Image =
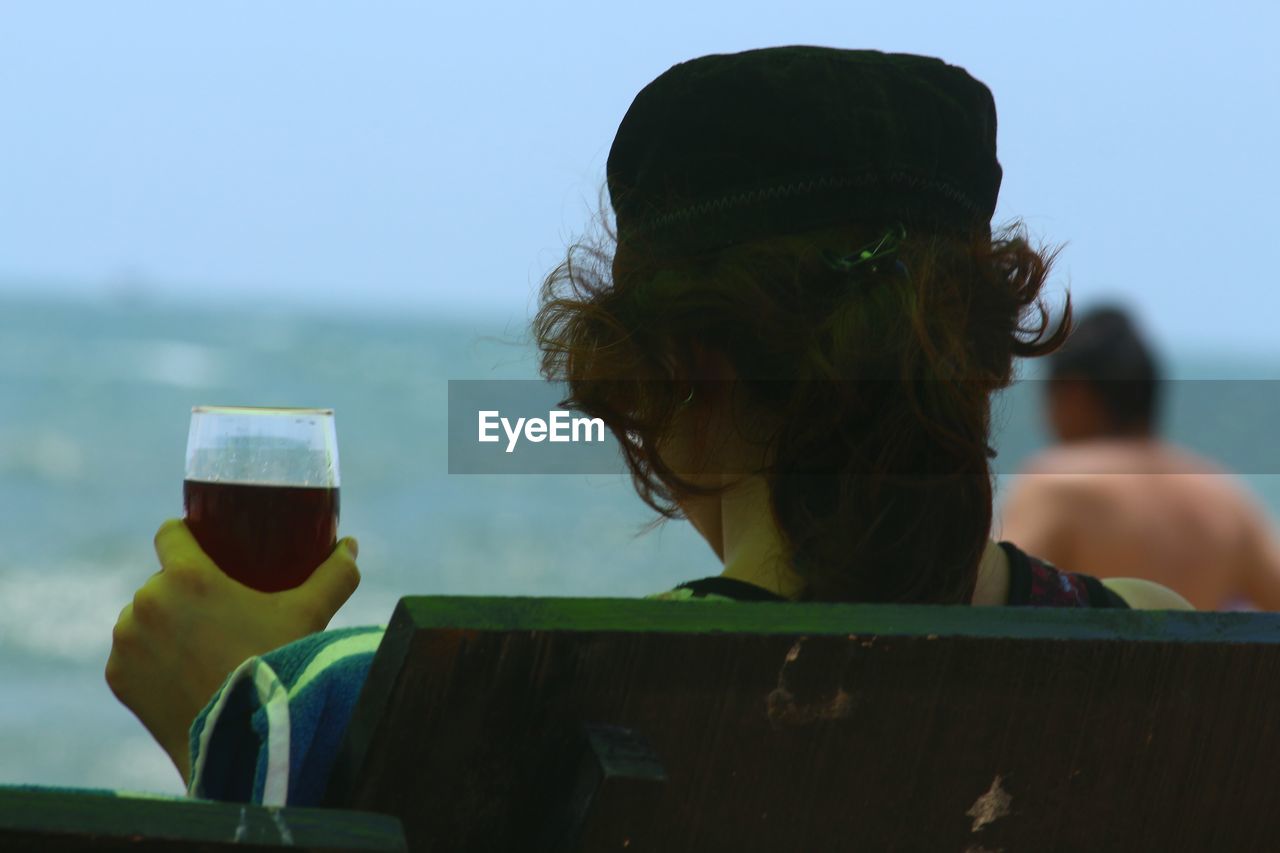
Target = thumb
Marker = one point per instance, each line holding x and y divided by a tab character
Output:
334	580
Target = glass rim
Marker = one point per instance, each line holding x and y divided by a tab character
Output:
259	410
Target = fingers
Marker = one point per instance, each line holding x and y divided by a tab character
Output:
180	553
121	636
332	583
176	546
143	673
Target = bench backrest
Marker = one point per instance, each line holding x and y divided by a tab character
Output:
493	724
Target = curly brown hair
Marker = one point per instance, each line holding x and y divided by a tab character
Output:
877	386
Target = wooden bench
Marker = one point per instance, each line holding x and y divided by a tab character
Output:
492	724
623	725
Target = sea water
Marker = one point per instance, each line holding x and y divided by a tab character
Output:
95	398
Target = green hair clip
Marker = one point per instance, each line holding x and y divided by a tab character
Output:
874	257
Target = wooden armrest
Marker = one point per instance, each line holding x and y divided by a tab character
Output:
56	820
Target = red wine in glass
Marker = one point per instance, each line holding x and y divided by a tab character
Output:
262	491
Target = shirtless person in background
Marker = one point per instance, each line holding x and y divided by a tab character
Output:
1114	499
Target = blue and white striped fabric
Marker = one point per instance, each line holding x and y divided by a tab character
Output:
271	733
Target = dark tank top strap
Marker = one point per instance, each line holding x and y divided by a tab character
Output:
1019	575
1100	595
1032	583
1035	583
729	588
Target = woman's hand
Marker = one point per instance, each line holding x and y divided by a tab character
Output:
190	625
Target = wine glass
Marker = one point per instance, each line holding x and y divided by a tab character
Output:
261	491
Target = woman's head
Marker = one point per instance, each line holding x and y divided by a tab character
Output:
810	230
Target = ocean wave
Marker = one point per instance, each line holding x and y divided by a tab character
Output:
181	364
81	361
62	613
41	453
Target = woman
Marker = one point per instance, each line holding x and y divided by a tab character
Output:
804	306
795	337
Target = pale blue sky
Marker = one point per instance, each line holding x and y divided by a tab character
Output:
435	157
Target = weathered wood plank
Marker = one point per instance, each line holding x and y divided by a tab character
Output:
613	784
829	727
55	820
629	614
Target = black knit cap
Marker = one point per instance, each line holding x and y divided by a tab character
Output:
730	148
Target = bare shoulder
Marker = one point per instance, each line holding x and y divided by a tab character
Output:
1087	472
1052	486
1063	459
1058	472
1146	595
1121	456
1062	477
1045	507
